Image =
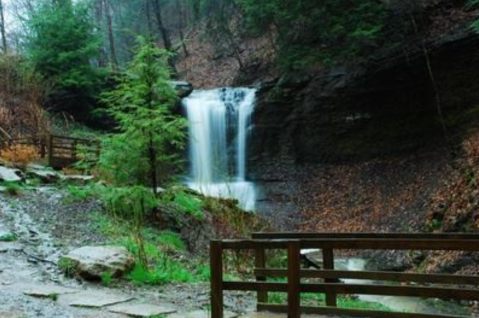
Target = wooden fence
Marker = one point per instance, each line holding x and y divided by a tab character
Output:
62	151
443	286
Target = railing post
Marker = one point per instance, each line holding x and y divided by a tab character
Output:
42	147
50	150
216	263
74	150
260	262
97	149
328	263
294	280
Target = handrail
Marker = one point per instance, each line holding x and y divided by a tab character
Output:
309	235
61	151
432	285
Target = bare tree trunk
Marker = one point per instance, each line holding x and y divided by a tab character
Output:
161	26
2	29
437	95
180	26
196	10
111	37
164	33
102	58
148	19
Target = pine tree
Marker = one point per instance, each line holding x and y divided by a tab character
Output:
62	46
145	150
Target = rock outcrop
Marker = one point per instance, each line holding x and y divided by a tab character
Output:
10	175
184	89
91	262
385	107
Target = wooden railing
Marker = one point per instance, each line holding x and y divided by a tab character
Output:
62	151
443	286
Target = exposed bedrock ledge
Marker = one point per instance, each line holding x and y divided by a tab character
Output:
385	107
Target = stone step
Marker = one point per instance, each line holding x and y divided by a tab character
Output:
141	310
271	315
201	314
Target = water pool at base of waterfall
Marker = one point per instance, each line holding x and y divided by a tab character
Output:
244	192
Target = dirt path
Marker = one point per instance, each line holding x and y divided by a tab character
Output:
48	228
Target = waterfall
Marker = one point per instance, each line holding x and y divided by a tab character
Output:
219	123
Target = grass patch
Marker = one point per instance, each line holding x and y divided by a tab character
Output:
9	237
77	194
160	248
170	271
172	241
353	303
106	278
12	188
314	299
67	266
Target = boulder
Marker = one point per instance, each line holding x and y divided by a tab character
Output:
91	262
78	179
10	175
45	174
184	89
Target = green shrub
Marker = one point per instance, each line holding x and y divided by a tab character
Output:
146	149
171	241
9	237
13	188
106	278
67	266
76	194
132	204
190	204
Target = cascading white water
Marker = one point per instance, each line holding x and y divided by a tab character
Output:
220	120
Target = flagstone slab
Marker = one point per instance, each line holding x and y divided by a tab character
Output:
10	175
11	314
10	246
141	310
201	314
271	315
94	299
48	291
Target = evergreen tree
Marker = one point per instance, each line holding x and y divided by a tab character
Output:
145	150
62	46
309	30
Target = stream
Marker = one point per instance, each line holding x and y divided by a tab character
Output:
401	304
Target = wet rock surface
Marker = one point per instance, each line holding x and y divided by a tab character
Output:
92	262
10	175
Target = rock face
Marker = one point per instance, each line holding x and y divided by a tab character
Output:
382	108
91	262
184	89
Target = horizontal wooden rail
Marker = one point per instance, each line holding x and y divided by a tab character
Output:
306	235
380	290
61	150
442	286
440	244
372	275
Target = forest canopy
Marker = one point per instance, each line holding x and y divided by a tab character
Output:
78	46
